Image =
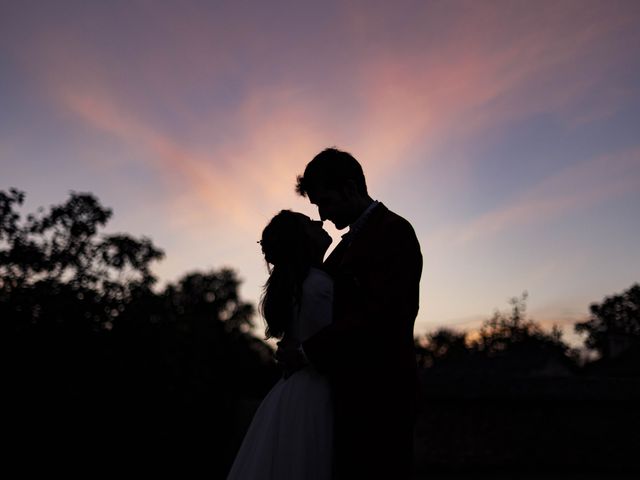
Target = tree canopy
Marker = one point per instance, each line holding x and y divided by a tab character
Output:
617	317
505	343
96	350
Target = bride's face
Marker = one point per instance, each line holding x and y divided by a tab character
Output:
319	237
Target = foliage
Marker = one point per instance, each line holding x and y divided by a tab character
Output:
59	259
213	294
441	346
617	316
506	342
88	337
503	332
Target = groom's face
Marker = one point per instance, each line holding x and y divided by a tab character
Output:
333	205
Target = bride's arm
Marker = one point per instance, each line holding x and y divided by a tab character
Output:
290	356
315	313
316	310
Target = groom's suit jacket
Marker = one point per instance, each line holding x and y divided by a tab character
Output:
368	350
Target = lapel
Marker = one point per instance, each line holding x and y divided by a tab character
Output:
345	254
334	260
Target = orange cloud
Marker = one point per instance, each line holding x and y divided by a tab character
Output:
201	175
489	66
404	99
493	66
228	105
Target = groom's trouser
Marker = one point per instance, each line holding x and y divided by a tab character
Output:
373	434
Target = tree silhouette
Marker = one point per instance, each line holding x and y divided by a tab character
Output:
505	343
56	267
501	331
98	354
517	343
440	347
210	295
616	320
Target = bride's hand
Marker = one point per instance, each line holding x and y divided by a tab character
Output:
290	356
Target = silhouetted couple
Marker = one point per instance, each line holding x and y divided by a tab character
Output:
345	407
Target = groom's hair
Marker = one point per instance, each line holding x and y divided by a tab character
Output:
331	168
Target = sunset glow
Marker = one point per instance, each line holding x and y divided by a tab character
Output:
506	132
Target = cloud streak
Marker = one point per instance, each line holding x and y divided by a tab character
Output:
226	103
577	187
491	64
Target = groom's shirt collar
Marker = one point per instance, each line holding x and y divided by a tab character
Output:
356	226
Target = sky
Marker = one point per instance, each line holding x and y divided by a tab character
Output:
506	132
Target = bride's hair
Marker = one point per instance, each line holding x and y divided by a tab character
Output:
287	249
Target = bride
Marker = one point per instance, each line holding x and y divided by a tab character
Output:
291	434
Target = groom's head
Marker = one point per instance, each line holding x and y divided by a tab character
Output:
335	183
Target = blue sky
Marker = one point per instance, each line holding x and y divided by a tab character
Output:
505	131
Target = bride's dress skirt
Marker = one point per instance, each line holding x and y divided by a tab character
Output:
290	436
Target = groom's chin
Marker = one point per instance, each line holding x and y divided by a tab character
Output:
340	225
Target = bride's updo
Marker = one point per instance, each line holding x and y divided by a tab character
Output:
287	249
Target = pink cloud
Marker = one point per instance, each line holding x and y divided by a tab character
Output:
178	162
488	65
241	182
228	105
493	66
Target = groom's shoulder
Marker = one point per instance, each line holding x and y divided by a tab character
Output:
389	219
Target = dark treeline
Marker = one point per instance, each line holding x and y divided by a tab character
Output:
101	366
507	343
104	367
513	344
515	397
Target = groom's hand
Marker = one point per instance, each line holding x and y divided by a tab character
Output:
290	357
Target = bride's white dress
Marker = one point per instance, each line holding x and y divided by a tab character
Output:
291	434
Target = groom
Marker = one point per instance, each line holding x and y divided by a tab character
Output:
368	351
